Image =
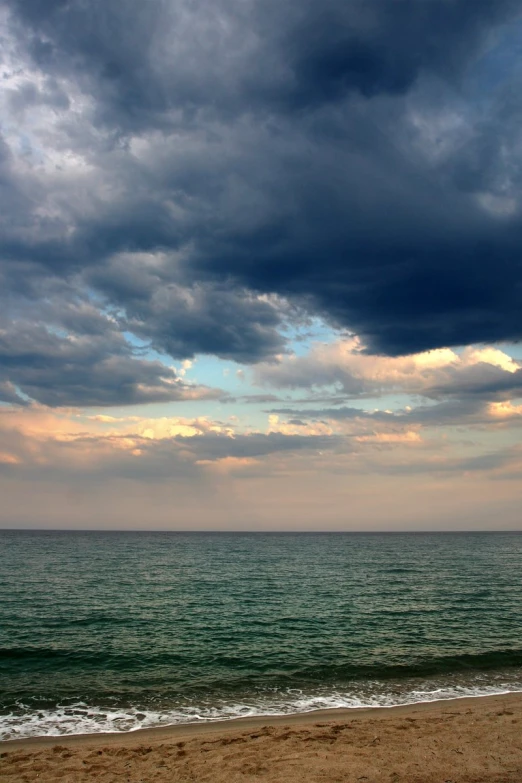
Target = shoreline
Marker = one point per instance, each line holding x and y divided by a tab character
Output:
464	740
195	729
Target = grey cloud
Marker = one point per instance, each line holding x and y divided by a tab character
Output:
28	95
182	321
90	369
449	412
488	463
215	446
471	411
481	380
309	371
337	414
10	395
255	399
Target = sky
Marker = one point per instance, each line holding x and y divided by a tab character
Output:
260	264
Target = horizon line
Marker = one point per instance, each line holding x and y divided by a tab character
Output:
250	532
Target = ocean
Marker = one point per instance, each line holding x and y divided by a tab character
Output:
114	631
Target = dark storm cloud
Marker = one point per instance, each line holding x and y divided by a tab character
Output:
141	60
382	46
269	149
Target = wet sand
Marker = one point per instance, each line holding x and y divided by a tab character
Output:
458	741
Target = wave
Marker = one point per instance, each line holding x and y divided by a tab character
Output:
366	667
436	665
82	718
38	717
168	692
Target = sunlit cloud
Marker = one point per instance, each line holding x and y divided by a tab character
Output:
408	437
504	410
345	365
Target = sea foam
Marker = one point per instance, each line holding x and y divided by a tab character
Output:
81	718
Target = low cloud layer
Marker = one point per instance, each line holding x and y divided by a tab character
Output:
37	441
103	471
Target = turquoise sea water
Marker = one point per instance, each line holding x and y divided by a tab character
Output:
114	631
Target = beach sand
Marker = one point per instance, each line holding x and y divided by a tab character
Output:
459	741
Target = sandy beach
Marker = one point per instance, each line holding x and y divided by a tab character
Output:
459	741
